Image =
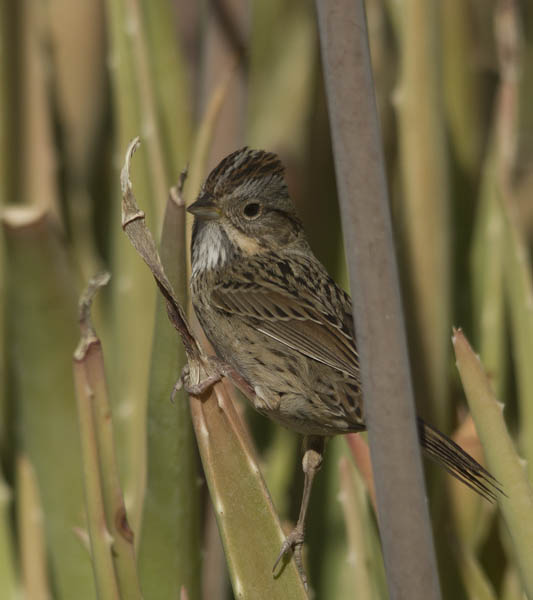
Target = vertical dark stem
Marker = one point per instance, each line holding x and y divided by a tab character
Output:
402	508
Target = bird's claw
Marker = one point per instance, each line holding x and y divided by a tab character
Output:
179	382
197	389
216	369
294	541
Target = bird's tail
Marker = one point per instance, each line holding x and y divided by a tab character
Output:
457	462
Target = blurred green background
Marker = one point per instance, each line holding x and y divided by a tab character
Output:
196	80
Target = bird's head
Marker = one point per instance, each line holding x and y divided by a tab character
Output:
243	208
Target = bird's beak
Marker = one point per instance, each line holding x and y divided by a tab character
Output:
205	208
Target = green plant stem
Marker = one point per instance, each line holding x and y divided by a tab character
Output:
133	296
169	554
41	303
157	165
37	182
488	261
425	203
250	522
172	88
462	89
519	287
519	282
31	538
504	463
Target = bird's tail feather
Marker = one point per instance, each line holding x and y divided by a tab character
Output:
457	462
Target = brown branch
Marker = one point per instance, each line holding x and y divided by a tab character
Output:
134	225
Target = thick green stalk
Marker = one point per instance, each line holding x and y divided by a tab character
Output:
248	524
133	295
503	461
38	159
41	301
169	552
425	202
519	282
31	535
487	262
147	101
172	88
519	286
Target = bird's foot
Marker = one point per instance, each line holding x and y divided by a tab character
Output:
294	541
215	369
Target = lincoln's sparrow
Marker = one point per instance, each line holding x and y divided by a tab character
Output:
275	316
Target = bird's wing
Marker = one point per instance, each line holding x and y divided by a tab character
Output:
298	314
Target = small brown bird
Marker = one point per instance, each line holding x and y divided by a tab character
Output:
278	320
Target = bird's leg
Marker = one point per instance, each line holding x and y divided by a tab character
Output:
311	463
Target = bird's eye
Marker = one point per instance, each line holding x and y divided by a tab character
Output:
251	210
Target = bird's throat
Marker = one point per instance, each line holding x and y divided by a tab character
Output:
211	248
